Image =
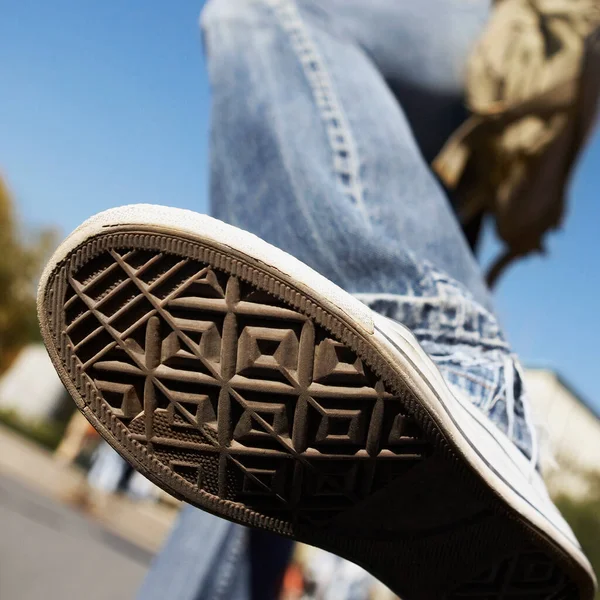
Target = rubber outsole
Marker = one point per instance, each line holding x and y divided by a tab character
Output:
242	395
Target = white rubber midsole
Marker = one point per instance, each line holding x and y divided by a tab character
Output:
492	456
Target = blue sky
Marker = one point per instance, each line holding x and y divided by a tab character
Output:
107	103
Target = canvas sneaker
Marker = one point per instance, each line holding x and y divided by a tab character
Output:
238	379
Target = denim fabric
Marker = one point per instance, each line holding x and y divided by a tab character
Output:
208	558
325	113
313	152
205	558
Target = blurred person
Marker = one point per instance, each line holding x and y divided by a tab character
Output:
110	474
389	426
108	471
78	434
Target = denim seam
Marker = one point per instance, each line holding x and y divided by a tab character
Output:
346	163
319	244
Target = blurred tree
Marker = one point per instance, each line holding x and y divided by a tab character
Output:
20	264
583	515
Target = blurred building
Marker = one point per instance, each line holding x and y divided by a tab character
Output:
569	432
32	388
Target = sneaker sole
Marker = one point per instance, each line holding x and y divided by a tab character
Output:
249	394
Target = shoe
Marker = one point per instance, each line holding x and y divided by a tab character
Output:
237	379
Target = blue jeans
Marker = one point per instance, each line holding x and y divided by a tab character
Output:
325	115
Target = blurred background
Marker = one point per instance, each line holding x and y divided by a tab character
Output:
106	104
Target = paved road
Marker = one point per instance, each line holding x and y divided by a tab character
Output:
51	551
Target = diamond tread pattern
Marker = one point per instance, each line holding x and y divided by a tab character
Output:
232	390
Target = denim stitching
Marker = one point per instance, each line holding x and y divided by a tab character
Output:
346	163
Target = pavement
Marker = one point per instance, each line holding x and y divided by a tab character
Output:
59	540
48	550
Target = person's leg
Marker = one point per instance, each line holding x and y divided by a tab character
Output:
208	558
247	367
205	558
326	166
312	152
